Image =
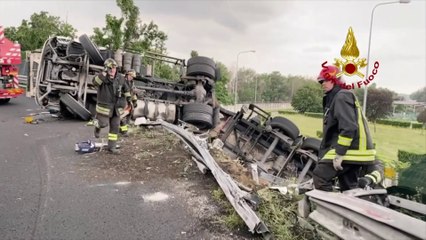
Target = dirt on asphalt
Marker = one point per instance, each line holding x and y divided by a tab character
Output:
154	154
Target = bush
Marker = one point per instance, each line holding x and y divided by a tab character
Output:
394	123
287	112
313	114
413	176
308	99
397	123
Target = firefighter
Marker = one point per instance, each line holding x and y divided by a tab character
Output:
124	123
112	94
346	145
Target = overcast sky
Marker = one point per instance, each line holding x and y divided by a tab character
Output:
293	37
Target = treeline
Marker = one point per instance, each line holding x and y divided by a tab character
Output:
128	32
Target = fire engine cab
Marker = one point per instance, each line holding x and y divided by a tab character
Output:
10	57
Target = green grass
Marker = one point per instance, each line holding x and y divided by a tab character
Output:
388	139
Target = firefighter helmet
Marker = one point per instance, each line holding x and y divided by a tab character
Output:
110	63
131	73
329	73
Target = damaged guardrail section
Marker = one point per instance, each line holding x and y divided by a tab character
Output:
235	195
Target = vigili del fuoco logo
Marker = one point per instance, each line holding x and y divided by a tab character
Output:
350	65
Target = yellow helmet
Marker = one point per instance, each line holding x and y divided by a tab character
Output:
131	73
110	63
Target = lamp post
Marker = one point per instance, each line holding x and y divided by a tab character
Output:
236	76
364	105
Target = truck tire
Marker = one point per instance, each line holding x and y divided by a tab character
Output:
106	53
311	144
92	50
4	100
285	126
127	61
118	57
201	60
76	107
197	108
198	114
218	74
136	63
201	70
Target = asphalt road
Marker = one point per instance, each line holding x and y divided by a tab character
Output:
44	196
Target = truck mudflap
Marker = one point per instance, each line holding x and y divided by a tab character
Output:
350	217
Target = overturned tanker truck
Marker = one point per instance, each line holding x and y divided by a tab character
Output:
60	80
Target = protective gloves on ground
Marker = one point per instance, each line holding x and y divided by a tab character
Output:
337	162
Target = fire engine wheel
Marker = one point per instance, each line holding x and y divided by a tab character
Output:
285	126
202	70
198	114
4	100
311	144
91	50
75	107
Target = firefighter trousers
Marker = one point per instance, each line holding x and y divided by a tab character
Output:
114	124
124	124
324	173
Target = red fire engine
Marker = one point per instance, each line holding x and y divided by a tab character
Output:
10	57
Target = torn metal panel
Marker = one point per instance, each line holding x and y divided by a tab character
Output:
350	217
235	195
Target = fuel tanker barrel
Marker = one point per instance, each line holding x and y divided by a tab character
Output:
118	57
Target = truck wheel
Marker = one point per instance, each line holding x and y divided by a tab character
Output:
4	100
285	126
76	107
311	144
201	60
91	50
201	69
198	114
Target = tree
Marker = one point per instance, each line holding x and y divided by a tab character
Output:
129	33
422	117
246	85
221	91
419	95
111	36
379	104
194	53
308	99
32	33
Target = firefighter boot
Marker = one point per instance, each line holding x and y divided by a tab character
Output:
112	147
97	128
97	132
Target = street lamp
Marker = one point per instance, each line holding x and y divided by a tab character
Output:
236	75
364	107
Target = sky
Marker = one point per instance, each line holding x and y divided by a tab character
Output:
292	37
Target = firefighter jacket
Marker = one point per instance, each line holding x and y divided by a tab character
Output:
113	94
345	129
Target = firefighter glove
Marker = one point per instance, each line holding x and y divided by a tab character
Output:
364	182
337	162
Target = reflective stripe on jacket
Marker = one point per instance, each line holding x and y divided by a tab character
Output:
345	129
